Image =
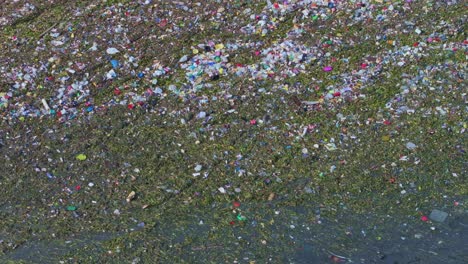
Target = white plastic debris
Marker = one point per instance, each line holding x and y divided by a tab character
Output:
112	51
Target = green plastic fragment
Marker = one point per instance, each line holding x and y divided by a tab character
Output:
71	208
241	217
81	157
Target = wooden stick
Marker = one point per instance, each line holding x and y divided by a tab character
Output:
47	30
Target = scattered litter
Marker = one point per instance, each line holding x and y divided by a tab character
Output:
275	101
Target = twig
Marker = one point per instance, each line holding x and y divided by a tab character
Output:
47	30
336	255
206	247
428	251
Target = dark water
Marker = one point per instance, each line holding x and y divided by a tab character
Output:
52	251
292	238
